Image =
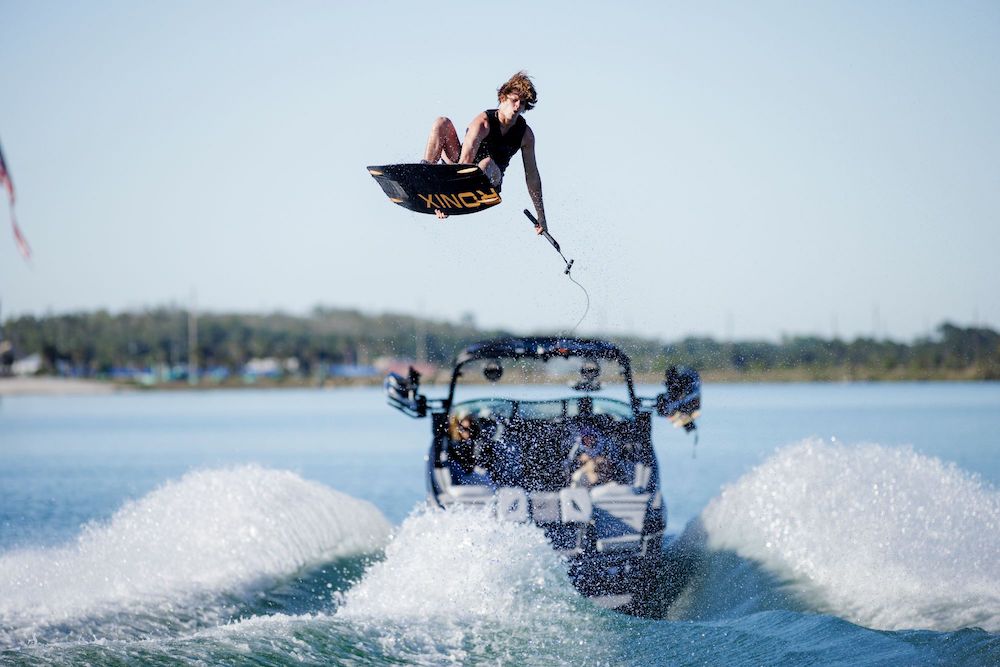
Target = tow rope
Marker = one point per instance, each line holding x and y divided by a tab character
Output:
569	266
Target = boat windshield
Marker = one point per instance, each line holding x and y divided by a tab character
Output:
546	387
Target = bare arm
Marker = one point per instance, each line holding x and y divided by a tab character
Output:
532	179
478	129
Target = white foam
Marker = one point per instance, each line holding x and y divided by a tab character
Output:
210	531
459	564
459	586
882	536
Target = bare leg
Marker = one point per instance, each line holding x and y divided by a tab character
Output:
442	142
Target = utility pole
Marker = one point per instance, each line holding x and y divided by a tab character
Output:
421	334
193	341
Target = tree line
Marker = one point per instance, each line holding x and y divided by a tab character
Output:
97	344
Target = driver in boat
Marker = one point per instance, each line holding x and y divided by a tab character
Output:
492	139
470	446
463	431
589	456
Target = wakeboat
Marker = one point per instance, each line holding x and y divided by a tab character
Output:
550	431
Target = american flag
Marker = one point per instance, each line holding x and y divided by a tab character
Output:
22	243
8	184
5	179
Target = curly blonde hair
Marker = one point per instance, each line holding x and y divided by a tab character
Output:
521	84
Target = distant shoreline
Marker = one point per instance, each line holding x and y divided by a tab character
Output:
142	348
58	386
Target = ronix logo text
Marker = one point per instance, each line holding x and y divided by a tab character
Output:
461	199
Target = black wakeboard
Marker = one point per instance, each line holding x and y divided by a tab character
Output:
455	189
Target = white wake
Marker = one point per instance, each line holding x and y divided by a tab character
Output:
881	536
212	531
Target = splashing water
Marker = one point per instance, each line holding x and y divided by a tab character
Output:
462	563
210	532
461	584
882	536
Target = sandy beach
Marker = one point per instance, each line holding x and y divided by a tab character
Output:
50	386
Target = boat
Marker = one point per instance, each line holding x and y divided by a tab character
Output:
551	431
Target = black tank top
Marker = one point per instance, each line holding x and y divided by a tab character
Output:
501	147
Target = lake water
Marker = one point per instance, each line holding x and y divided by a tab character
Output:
836	524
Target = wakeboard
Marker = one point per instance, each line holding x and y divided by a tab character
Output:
455	189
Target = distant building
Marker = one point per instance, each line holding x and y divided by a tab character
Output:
29	365
262	367
270	367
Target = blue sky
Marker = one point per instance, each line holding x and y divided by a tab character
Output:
743	170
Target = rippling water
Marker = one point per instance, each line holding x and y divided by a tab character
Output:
826	524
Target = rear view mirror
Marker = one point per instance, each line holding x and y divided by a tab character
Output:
404	393
681	403
493	371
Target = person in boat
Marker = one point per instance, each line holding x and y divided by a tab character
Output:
471	442
463	432
492	139
481	452
591	458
